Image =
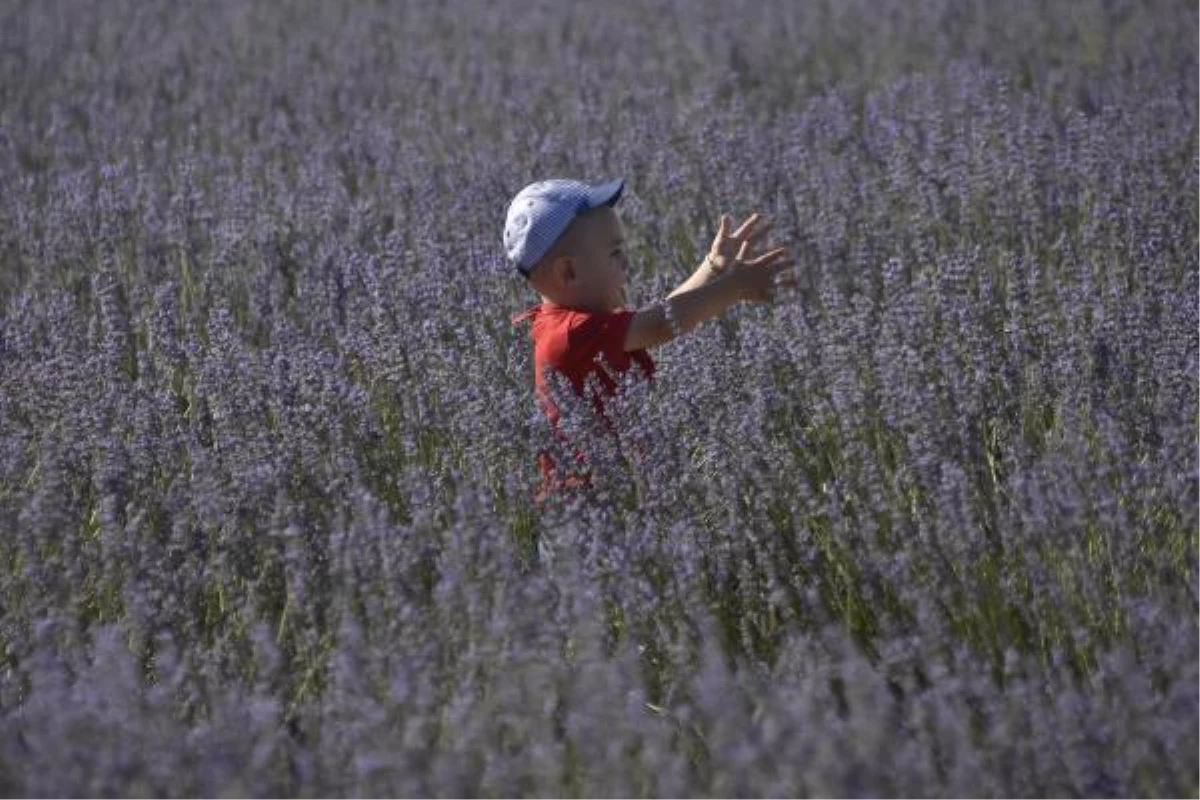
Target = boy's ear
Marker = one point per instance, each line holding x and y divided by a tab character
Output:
553	275
561	270
566	269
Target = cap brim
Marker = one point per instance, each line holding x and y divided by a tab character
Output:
606	194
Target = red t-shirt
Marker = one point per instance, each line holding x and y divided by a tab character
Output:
579	345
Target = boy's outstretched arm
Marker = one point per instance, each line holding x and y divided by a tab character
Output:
727	276
753	280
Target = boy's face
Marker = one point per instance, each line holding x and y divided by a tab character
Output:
591	267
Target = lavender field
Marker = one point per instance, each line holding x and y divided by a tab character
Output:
927	526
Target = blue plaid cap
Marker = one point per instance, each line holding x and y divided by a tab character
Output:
541	212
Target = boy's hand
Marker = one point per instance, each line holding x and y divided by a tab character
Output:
759	278
727	247
730	274
732	255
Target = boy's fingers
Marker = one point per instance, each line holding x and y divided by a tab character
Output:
747	226
768	257
783	280
723	228
754	237
743	251
722	234
760	230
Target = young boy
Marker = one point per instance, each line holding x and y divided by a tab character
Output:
566	239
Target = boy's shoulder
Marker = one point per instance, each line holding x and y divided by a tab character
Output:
549	317
559	331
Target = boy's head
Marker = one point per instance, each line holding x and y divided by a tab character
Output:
566	238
